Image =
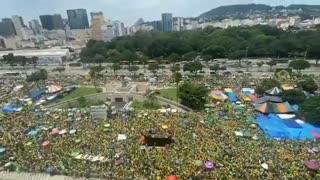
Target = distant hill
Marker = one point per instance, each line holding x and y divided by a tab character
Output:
242	10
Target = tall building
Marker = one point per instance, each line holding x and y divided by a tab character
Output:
51	22
157	25
95	15
19	26
35	26
119	28
177	24
78	18
97	21
108	31
7	28
167	22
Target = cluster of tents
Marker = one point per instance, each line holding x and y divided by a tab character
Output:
272	102
37	98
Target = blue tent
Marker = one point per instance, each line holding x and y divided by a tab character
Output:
10	109
232	97
37	95
53	97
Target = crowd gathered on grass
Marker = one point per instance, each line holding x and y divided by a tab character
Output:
204	144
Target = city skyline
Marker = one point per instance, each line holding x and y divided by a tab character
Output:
127	11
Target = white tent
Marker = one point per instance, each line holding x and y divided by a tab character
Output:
274	91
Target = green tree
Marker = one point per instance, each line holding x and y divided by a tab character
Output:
267	84
308	85
299	65
133	69
206	58
215	67
153	68
97	69
59	69
177	77
10	59
152	100
174	58
192	95
193	67
82	102
260	64
293	96
310	110
190	56
144	60
175	68
40	75
237	55
271	64
34	61
98	58
115	67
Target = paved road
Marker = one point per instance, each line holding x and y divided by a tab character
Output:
79	70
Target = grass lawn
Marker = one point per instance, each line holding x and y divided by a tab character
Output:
81	91
169	94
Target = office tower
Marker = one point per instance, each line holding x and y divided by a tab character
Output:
157	26
35	26
119	28
94	15
51	22
7	28
78	18
97	21
19	26
177	24
167	22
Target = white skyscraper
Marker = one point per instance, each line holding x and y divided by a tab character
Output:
21	29
119	28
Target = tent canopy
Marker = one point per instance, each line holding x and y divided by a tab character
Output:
37	95
277	108
54	89
274	99
11	109
274	91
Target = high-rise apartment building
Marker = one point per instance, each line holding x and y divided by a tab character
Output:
78	18
177	24
119	28
7	28
35	26
51	22
97	21
157	26
19	26
167	22
95	15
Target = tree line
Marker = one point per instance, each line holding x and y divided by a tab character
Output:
19	60
209	43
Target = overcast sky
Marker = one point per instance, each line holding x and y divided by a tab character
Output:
127	11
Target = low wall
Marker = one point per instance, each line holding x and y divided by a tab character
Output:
125	96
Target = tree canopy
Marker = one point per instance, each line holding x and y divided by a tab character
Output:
293	96
193	67
310	110
299	65
192	95
210	43
308	85
267	84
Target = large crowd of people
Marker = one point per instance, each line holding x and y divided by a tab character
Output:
68	142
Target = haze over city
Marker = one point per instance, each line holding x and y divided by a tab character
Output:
127	11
